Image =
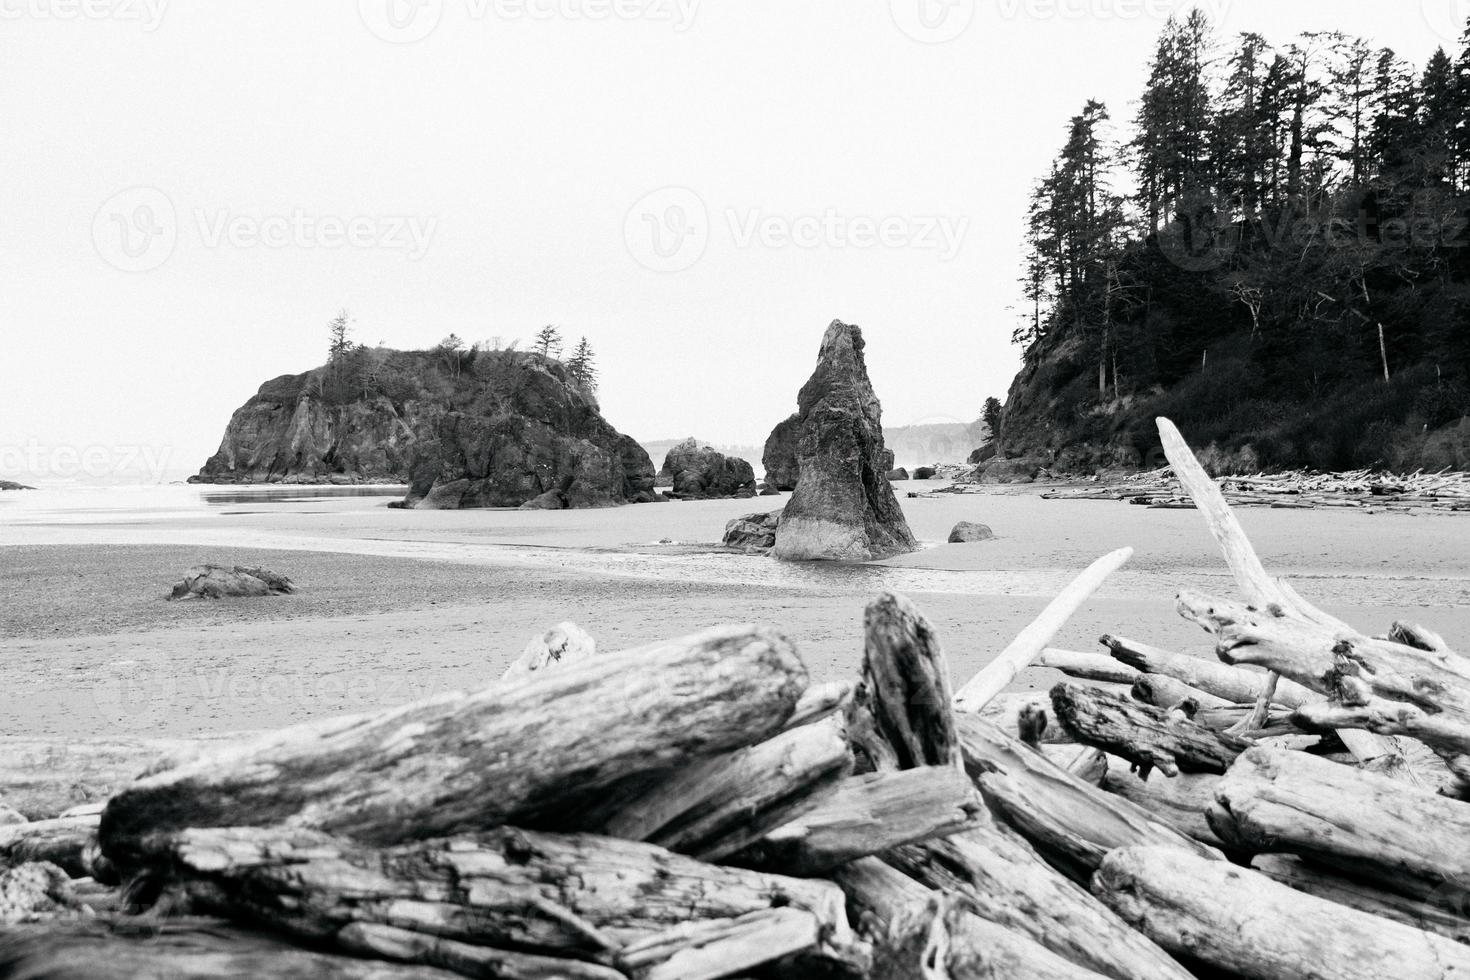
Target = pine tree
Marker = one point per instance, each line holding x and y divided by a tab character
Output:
1174	120
339	331
582	365
548	341
991	413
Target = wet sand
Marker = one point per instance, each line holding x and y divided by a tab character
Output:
394	605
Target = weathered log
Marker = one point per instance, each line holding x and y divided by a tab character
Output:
1377	685
870	814
1142	734
721	948
1361	822
1180	802
1244	923
44	777
877	893
459	762
820	701
1009	884
717	806
1027	646
1073	824
186	949
1419	912
1166	692
945	940
1232	684
564	643
407	946
567	895
905	696
1414	635
63	842
1086	763
1088	666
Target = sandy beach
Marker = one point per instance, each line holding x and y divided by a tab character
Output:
394	605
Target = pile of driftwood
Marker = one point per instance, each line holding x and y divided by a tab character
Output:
699	809
1443	492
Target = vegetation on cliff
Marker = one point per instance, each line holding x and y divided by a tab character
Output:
1285	273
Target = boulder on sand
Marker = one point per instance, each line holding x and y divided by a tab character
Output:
219	582
700	472
843	508
924	473
967	531
898	474
753	532
8	485
550	500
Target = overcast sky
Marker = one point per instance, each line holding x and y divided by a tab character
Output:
194	188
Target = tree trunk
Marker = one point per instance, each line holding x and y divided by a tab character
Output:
1305	876
1360	822
1233	684
1247	925
905	696
1073	824
574	896
868	815
1088	666
718	806
1010	885
1142	734
462	762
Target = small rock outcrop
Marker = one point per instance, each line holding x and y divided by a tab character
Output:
753	532
924	473
898	475
219	582
967	531
779	458
699	472
843	507
8	485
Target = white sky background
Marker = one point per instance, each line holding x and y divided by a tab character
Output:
526	141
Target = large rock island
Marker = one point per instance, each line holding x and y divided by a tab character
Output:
464	429
843	507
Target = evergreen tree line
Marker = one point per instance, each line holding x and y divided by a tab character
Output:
1273	249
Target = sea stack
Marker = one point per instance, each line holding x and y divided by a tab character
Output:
843	508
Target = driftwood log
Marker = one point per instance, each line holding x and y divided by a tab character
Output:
1444	918
1243	923
869	814
1072	823
1232	684
1180	802
717	806
565	643
44	777
1009	884
572	896
64	842
900	716
462	762
1142	734
1088	666
1363	823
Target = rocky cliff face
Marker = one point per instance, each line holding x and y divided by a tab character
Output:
488	429
843	507
700	472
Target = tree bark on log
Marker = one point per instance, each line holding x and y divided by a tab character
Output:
708	950
820	701
1142	734
1231	684
1010	885
1301	874
901	717
63	842
1244	923
945	940
183	949
1360	822
1180	802
718	806
462	762
1073	824
870	814
578	896
1166	692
